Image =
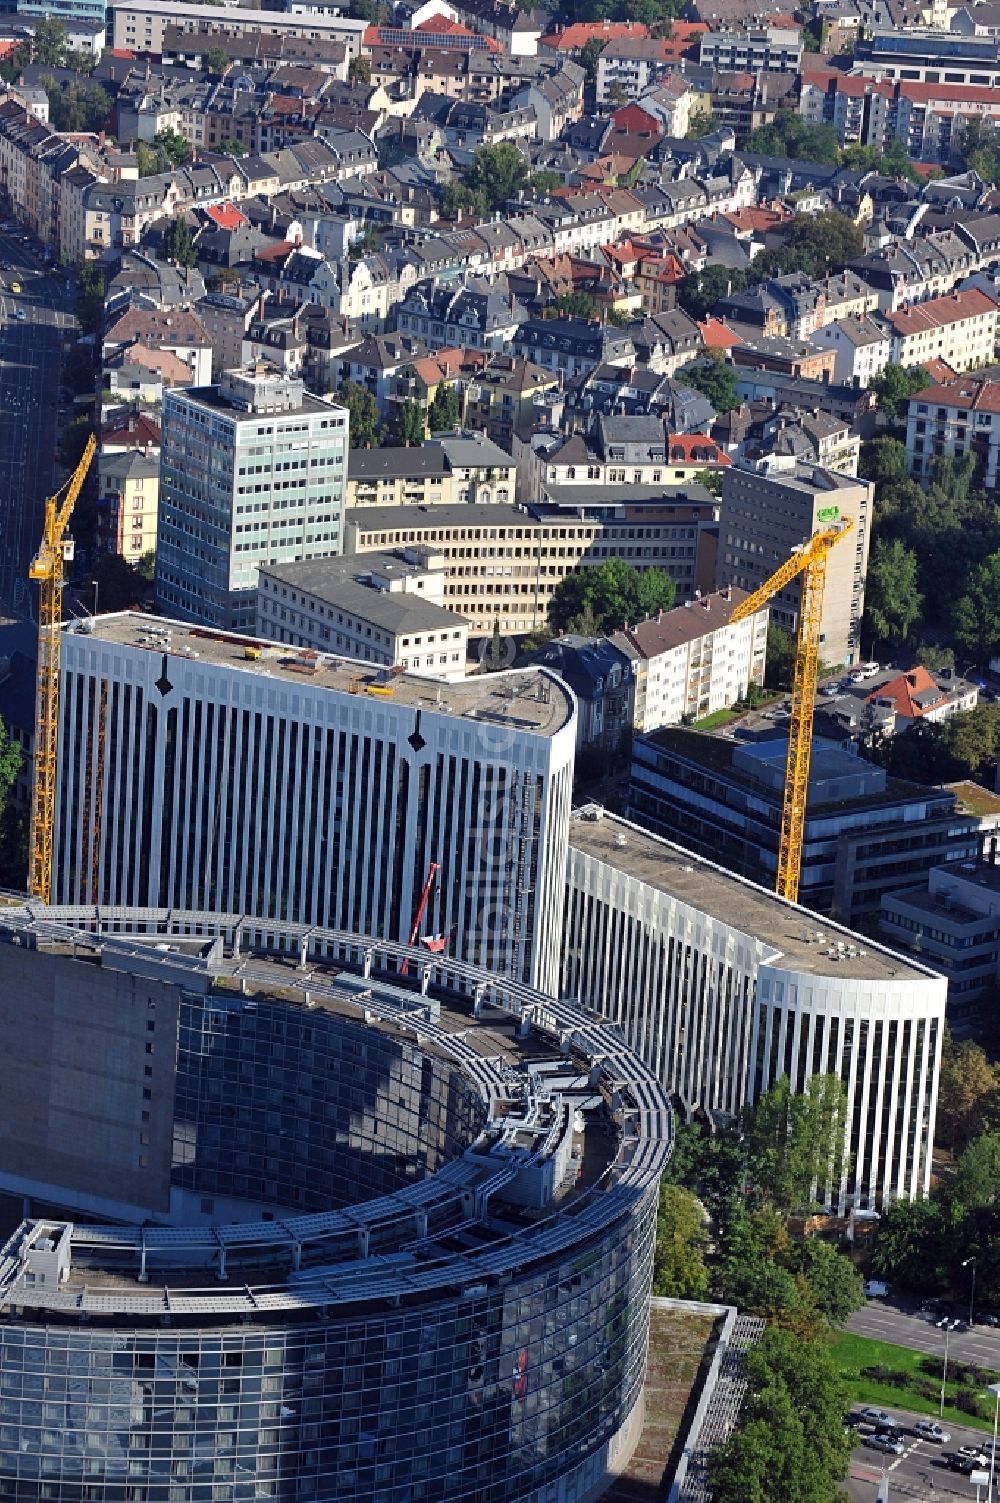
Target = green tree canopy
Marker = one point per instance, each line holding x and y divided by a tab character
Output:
702	123
411	424
893	603
359	70
791	1443
77	106
912	1245
883	460
834	1284
544	181
966	1077
13	846
215	60
790	136
232	148
363	410
779	666
48	43
977	1180
894	386
444	412
90	297
496	173
175	150
699	292
577	305
797	1141
681	1241
603	597
976	613
178	242
714	379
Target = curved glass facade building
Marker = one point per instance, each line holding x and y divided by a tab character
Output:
325	1232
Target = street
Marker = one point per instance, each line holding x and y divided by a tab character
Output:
30	355
920	1473
886	1322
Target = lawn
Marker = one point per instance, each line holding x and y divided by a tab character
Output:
717	718
852	1353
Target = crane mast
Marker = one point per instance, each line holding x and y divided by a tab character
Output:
810	561
48	567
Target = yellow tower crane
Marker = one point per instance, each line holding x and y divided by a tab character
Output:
48	568
809	560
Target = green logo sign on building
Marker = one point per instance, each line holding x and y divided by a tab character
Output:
828	514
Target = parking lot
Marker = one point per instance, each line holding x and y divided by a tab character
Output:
920	1472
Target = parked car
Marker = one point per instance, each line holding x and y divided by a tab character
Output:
930	1430
875	1417
865	670
964	1464
875	1289
886	1443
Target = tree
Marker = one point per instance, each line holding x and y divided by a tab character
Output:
359	70
78	371
702	123
893	603
966	1077
215	60
146	567
179	244
455	199
443	413
148	159
912	1246
90	297
589	55
545	181
681	1240
13	832
48	44
894	386
411	424
714	379
604	597
976	613
883	460
14	63
73	442
977	1181
790	136
232	148
820	243
496	172
363	410
699	292
833	1282
77	106
780	662
798	1140
175	151
577	305
977	148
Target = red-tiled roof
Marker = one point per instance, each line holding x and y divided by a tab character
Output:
574	38
633	117
939	371
7	46
695	448
717	335
941	311
138	432
970	393
226	216
903	692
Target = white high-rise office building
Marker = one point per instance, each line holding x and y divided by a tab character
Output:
252	471
199	772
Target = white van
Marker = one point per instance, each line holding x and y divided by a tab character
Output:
863	671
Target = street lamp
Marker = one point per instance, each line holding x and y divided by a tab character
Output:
972	1294
944	1370
994	1389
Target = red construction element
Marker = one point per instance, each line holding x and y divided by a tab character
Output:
425	896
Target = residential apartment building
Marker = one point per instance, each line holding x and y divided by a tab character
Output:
864	834
961	330
127	503
139	25
952	420
763	517
771	49
385	608
252	471
693	660
299	786
723	988
452	468
861	348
